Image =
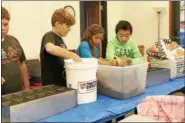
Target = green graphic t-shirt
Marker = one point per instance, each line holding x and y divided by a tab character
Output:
118	49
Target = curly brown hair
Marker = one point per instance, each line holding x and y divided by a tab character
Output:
62	16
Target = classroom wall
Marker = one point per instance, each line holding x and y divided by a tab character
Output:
30	25
30	20
143	18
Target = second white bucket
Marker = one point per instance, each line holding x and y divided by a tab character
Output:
82	76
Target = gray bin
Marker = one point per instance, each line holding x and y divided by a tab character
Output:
36	104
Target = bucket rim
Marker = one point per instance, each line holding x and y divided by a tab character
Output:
84	61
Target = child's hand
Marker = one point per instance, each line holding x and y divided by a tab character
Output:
2	80
123	63
114	62
129	61
76	58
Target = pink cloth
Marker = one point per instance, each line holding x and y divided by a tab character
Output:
163	108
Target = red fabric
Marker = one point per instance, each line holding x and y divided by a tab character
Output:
35	85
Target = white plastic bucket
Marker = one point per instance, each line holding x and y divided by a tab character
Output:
82	76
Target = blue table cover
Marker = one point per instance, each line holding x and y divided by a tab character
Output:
106	108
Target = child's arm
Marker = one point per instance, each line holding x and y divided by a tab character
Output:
113	62
2	81
61	52
24	75
23	67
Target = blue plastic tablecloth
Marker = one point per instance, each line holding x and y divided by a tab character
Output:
106	108
182	39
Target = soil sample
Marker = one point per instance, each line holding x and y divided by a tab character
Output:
40	95
32	94
9	103
20	100
3	99
31	97
49	93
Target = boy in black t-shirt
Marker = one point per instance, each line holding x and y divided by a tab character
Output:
53	49
14	70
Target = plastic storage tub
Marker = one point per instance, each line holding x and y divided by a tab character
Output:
122	82
157	76
177	68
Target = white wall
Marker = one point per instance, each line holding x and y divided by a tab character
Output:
114	14
30	20
142	17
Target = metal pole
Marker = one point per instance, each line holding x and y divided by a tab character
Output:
158	24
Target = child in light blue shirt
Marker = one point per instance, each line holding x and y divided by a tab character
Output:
92	36
84	50
88	47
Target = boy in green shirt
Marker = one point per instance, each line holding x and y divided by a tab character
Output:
122	45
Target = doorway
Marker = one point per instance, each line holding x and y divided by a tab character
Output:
174	18
94	12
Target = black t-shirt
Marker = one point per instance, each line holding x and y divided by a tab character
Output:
52	67
12	55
